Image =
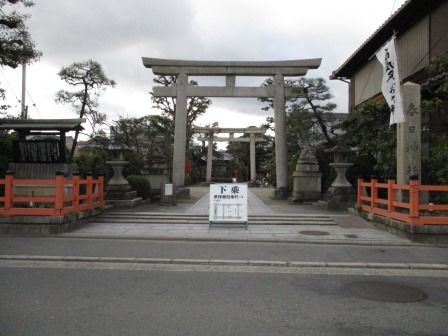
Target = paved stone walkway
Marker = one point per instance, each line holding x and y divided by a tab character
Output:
262	233
349	229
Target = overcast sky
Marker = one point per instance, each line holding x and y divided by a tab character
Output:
118	33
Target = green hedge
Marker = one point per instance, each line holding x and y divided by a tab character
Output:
141	185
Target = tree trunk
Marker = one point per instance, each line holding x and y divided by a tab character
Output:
81	114
320	121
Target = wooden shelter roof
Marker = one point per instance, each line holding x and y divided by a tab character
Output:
41	124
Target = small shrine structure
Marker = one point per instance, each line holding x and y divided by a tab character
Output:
40	149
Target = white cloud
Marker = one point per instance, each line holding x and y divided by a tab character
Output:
118	34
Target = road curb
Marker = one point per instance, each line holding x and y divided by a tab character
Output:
227	262
246	240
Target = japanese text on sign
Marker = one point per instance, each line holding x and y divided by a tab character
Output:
228	203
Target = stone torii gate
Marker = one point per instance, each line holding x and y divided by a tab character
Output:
181	90
210	137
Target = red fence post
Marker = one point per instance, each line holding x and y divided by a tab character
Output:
59	194
101	190
391	194
75	191
373	194
359	194
89	188
9	190
414	200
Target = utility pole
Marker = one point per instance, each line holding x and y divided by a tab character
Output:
23	114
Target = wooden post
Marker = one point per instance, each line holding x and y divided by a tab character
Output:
62	143
101	190
373	194
75	191
414	200
59	194
359	194
89	187
391	194
9	190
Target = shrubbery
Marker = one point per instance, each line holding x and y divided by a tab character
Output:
141	185
94	162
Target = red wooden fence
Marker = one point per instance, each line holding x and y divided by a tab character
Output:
408	209
67	196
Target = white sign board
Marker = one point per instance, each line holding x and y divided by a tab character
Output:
228	203
168	190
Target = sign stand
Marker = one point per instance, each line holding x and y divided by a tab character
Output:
168	194
228	205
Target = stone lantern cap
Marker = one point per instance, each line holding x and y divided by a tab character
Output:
341	152
117	147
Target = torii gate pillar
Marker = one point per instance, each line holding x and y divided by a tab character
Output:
208	175
281	149
253	168
180	134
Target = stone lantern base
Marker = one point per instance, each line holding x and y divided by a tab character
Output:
307	179
118	191
338	198
306	182
341	195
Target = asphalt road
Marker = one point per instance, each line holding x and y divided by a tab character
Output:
62	301
87	297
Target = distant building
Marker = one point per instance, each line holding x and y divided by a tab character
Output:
334	125
333	122
88	146
222	169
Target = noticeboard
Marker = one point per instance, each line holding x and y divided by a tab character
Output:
228	203
168	190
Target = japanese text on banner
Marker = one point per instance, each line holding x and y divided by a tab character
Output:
391	81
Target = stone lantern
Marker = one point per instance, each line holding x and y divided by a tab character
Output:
118	190
341	194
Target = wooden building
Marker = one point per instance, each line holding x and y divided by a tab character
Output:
40	147
421	29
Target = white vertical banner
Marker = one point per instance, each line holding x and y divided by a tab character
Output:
390	87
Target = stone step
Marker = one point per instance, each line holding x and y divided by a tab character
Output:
183	215
192	219
151	220
252	222
158	218
150	214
